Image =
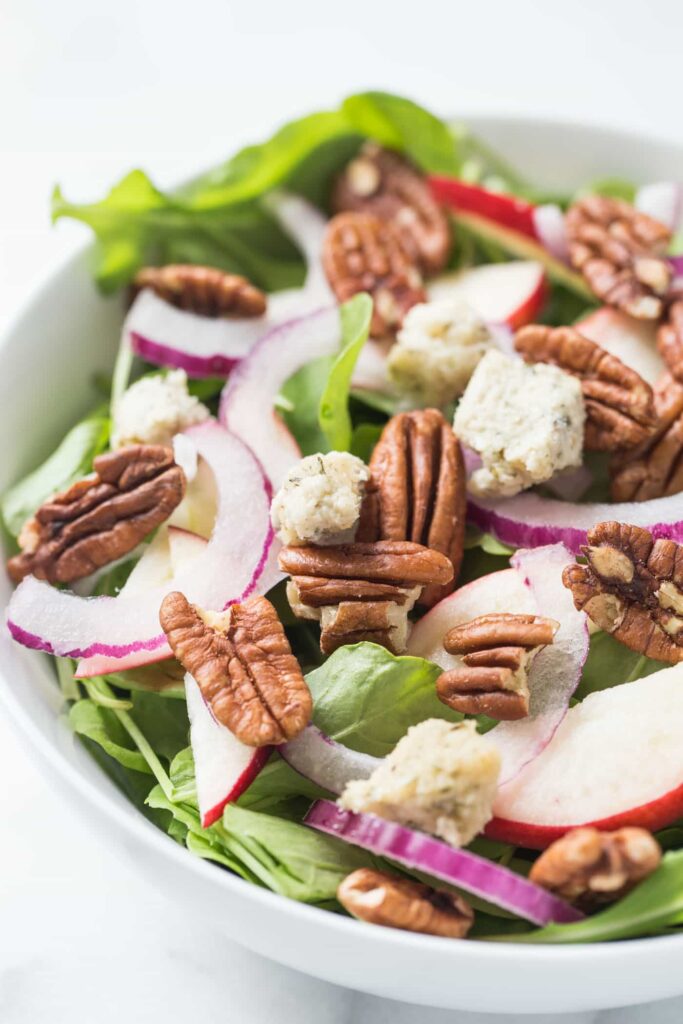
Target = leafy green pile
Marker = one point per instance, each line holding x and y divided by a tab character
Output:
135	723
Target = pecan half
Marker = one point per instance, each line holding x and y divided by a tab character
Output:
495	651
632	587
102	517
380	182
620	409
361	591
243	664
417	490
381	898
670	333
590	868
362	253
655	468
203	290
620	252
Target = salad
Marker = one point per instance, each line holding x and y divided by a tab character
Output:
363	577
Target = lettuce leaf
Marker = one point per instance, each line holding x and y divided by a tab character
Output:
355	687
71	460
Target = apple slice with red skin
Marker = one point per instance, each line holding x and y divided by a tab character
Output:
224	766
170	548
632	341
507	221
616	760
511	293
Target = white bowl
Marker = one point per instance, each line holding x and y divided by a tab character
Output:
66	333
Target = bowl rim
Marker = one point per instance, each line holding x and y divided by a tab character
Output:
137	827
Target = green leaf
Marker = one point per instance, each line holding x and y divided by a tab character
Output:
103	727
655	905
71	460
364	438
398	123
277	783
609	663
333	410
356	686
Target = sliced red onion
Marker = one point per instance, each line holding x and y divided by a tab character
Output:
662	200
529	520
211	346
550	230
465	870
677	263
325	762
228	570
555	672
247	401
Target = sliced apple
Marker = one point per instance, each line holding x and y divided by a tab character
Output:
632	341
224	766
170	548
616	759
498	592
511	293
196	513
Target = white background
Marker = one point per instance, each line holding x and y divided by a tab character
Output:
88	90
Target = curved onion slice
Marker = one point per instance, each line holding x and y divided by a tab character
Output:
228	570
530	520
556	670
662	200
325	762
211	346
247	401
460	868
550	230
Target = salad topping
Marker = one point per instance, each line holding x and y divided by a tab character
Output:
202	290
655	468
670	333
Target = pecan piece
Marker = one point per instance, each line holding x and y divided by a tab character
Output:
244	666
620	409
670	333
203	290
361	591
632	587
655	468
102	517
380	898
620	252
496	651
380	182
361	253
418	490
590	868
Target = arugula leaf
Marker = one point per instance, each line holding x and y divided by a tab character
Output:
654	906
354	688
333	410
71	460
317	395
103	727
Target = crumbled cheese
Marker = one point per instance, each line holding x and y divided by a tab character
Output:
441	778
437	351
525	422
320	500
155	408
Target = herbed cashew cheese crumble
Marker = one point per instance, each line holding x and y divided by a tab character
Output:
441	778
437	351
525	422
320	500
154	409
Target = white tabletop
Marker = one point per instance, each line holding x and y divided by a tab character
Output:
90	90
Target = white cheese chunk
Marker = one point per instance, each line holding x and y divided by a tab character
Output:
320	500
154	409
440	778
525	422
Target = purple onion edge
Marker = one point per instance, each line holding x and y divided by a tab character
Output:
217	365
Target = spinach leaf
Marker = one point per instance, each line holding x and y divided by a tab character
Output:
354	688
609	663
103	727
71	460
654	906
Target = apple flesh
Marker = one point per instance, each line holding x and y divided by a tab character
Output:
498	592
616	759
224	766
511	293
632	341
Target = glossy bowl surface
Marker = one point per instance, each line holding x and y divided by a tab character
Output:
65	333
